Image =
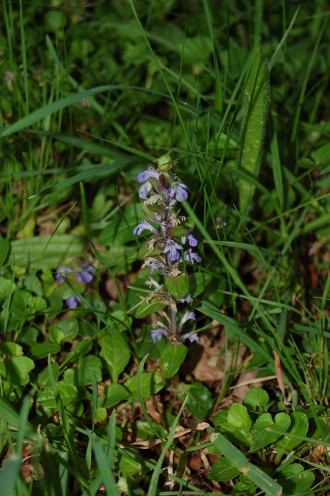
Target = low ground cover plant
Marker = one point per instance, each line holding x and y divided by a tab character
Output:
164	248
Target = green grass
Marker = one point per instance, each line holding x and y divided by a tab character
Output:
91	96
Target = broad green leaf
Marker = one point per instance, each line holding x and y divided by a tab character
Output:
238	418
223	470
151	384
299	427
12	349
255	110
129	463
115	353
295	479
68	393
239	461
42	350
6	287
256	397
4	250
16	370
113	394
146	308
145	431
178	231
177	286
171	358
101	414
199	402
69	326
46	251
198	282
265	431
89	367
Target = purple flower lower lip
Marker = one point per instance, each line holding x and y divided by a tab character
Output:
144	190
179	192
192	336
73	301
187	299
191	239
144	225
190	256
158	333
147	174
87	273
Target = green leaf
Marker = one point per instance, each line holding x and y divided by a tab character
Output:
198	282
129	463
115	353
239	461
171	358
255	110
12	349
199	402
4	250
69	326
9	474
294	479
16	370
223	470
6	287
263	430
113	394
42	350
151	384
178	231
146	308
145	431
177	286
49	251
299	427
68	393
89	367
256	397
238	418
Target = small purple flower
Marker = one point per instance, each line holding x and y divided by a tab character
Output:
191	239
158	333
61	273
73	301
179	192
144	190
187	299
144	225
87	273
190	256
192	336
172	247
147	174
187	316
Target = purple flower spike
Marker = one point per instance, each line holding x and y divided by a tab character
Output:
172	247
144	225
187	299
179	191
61	273
190	256
73	301
192	336
147	174
157	334
191	239
87	274
144	190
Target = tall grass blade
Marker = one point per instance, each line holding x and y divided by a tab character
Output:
255	110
